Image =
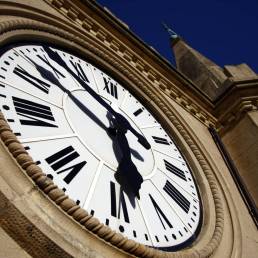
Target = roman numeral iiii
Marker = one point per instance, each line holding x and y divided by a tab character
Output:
177	196
63	158
36	114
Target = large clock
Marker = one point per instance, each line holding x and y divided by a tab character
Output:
100	145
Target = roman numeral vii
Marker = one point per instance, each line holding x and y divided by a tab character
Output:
63	158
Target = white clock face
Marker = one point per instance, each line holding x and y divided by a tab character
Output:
66	130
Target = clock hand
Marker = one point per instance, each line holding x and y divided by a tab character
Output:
120	118
127	173
50	77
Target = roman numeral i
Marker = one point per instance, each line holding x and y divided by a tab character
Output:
59	160
37	114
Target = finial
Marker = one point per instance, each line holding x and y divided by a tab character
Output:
171	33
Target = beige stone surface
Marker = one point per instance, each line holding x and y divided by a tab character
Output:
9	248
242	144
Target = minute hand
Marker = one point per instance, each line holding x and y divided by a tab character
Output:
119	118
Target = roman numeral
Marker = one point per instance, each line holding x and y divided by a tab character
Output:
162	217
61	159
173	169
177	196
46	61
39	84
122	204
138	112
160	140
110	88
34	112
80	72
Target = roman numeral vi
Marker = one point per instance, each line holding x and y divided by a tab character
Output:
114	212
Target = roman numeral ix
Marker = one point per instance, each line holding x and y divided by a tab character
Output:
39	84
177	196
110	88
173	169
122	204
37	114
63	158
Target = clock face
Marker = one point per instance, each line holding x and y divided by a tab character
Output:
72	133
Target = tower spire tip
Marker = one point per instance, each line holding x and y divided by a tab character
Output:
172	34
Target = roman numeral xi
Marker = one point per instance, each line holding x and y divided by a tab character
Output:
110	88
61	162
32	113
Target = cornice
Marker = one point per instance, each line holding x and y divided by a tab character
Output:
241	97
149	64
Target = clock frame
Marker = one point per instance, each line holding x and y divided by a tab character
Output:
167	115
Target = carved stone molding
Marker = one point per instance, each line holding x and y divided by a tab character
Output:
11	31
169	87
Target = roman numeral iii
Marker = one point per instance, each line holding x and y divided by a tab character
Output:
110	88
63	158
36	114
173	169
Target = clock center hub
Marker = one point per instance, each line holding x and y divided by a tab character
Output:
92	126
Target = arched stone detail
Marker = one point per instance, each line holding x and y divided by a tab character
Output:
11	28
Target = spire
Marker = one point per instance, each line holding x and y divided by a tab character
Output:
173	35
205	74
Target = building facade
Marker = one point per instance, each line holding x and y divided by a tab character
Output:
187	136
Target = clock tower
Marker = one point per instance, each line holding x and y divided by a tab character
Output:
106	150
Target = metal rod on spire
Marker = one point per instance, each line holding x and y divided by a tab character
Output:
173	35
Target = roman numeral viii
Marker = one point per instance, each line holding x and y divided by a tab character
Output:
110	88
177	196
39	84
63	158
36	114
116	209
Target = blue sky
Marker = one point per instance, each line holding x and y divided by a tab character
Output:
224	31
